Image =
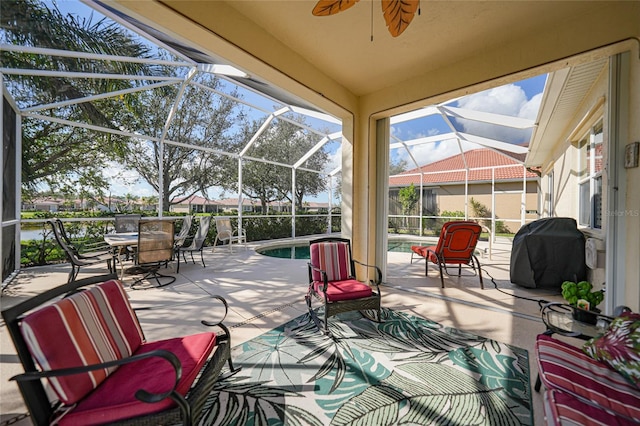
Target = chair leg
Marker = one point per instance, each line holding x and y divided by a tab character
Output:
326	318
477	262
312	314
202	258
441	275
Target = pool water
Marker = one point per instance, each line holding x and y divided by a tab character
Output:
302	251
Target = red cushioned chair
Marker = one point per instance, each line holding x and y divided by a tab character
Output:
456	246
99	367
332	280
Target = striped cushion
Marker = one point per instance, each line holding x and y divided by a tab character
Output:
567	368
334	258
563	409
89	327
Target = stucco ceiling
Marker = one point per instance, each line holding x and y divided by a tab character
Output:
444	33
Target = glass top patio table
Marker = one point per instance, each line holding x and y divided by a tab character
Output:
559	318
121	241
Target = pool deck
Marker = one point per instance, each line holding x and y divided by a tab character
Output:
264	292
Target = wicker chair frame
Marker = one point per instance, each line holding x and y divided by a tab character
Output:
188	410
365	305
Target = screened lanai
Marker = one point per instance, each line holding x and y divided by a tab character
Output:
298	142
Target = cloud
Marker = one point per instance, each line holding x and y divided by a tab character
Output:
124	181
510	100
432	152
334	161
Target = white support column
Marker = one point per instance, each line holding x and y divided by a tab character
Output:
466	193
330	203
493	205
421	227
523	209
293	202
240	198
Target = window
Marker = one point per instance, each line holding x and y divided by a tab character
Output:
590	178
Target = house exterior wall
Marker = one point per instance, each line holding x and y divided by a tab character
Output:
632	194
566	165
451	198
565	169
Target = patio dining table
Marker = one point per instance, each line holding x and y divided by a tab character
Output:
121	241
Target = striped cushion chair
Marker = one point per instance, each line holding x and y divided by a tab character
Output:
332	281
117	375
581	390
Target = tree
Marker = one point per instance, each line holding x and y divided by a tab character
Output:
409	197
397	167
57	154
285	142
205	120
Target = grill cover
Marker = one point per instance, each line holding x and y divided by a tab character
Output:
547	252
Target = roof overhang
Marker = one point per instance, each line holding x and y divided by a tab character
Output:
564	92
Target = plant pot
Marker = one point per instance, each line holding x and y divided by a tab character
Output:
588	317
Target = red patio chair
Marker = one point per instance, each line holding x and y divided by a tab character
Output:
456	246
332	280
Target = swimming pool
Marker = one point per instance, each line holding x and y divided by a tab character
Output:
301	250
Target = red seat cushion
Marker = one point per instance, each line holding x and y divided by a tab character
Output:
568	369
344	290
561	408
114	399
420	250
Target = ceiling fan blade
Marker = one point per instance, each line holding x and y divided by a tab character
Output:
398	14
331	7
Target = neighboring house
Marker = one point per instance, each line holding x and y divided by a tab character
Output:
230	205
586	172
194	204
495	180
314	207
42	205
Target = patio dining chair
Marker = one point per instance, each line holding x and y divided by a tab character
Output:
456	246
197	242
155	249
226	234
126	222
332	281
73	255
181	236
89	250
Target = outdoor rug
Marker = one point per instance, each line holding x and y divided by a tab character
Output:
405	370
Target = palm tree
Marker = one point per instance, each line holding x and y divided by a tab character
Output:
52	152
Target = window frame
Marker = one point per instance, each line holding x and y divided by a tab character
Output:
590	167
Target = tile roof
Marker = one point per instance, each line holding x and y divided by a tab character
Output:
451	170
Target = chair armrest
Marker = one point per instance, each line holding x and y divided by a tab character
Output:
219	323
140	394
377	269
323	273
203	322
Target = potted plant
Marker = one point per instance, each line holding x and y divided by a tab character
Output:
583	299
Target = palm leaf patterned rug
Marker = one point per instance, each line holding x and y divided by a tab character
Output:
404	370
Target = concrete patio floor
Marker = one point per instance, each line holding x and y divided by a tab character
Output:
264	292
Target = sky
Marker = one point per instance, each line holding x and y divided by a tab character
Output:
521	99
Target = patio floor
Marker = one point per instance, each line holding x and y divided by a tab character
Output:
264	292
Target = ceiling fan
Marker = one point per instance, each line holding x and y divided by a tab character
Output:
398	14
